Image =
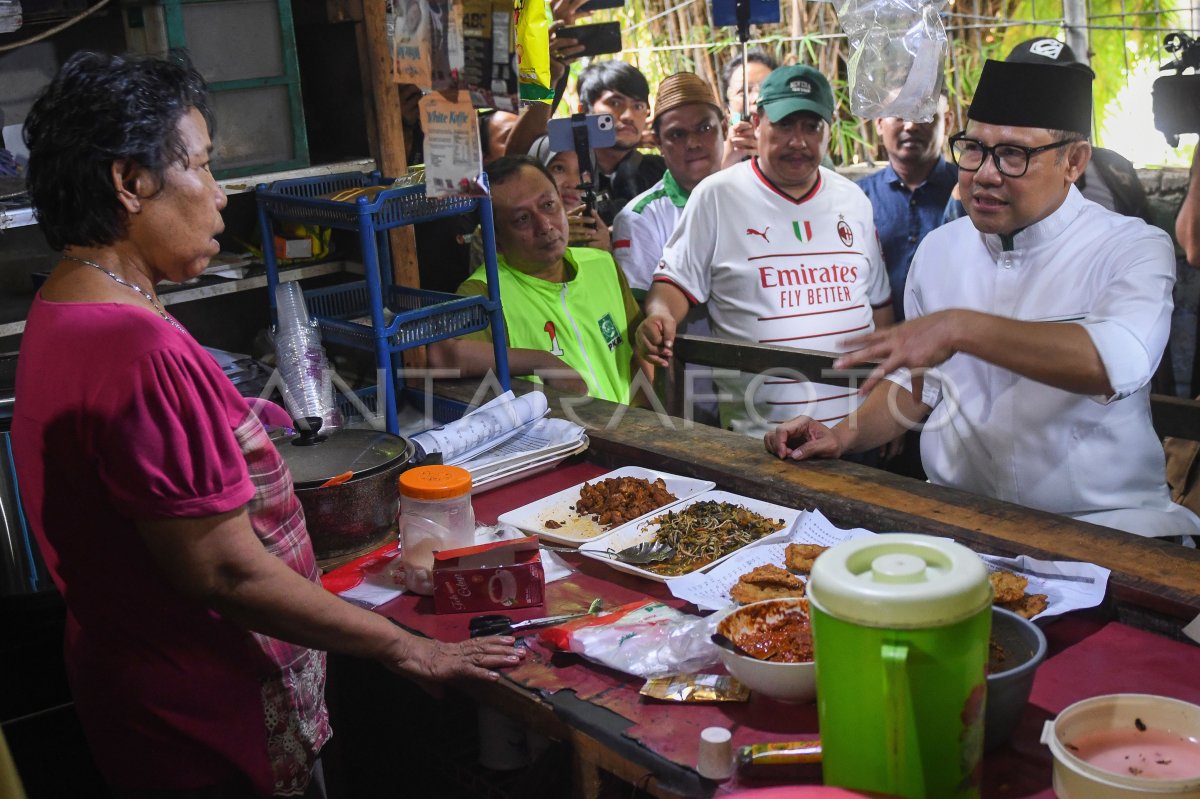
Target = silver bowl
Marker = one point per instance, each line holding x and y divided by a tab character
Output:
1024	648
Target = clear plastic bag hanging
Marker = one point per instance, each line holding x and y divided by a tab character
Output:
897	49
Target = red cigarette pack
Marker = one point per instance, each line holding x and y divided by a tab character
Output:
502	575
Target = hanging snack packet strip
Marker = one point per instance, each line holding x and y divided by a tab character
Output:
409	27
453	159
533	50
489	54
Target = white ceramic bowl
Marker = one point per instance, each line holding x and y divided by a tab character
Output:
1143	722
787	682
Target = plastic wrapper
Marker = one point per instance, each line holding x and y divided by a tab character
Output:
897	48
445	44
695	688
533	50
645	639
489	70
409	24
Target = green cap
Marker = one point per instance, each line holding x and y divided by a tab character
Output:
796	88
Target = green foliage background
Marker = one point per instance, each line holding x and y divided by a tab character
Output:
666	36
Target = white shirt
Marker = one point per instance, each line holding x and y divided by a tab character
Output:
996	433
643	227
804	273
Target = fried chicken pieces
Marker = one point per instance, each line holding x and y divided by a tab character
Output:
620	499
772	582
766	582
800	557
1009	591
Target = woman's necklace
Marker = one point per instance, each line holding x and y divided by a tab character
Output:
135	287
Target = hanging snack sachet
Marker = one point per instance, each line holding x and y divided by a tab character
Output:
489	54
409	34
533	50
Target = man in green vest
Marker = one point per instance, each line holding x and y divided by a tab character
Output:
569	312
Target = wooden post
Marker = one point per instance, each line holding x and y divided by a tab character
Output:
389	140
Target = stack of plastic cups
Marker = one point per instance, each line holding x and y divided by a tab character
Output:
307	378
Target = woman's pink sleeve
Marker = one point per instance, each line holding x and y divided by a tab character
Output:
166	447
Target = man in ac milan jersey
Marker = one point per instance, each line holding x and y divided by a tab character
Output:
782	251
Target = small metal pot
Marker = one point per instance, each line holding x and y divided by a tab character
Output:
358	512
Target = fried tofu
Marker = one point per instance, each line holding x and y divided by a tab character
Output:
766	582
1008	587
800	557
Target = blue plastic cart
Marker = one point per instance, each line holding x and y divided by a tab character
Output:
354	313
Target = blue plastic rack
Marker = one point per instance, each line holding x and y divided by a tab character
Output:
374	314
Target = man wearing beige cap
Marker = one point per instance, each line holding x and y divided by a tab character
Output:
690	130
780	251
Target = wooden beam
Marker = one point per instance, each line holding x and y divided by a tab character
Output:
1175	416
390	146
757	358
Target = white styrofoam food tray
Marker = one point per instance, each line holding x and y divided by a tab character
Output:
579	529
644	529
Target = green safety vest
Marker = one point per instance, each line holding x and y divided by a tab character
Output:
584	321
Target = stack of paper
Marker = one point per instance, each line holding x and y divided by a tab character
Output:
507	438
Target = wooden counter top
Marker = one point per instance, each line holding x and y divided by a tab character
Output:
1154	584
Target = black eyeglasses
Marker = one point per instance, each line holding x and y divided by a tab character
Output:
1011	160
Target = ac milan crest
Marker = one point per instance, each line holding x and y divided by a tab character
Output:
845	233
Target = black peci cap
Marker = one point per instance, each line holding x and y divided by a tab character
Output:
1033	95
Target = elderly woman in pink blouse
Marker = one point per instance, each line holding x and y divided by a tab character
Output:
195	616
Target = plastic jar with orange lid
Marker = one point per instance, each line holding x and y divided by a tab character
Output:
435	515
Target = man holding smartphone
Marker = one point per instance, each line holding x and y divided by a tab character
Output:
617	88
740	142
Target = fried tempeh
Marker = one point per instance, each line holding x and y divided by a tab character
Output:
800	557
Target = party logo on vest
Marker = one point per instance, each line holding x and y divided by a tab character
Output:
845	233
608	329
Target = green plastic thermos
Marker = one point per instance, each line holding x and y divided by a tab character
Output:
900	636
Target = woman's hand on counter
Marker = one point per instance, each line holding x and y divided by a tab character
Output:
438	661
220	562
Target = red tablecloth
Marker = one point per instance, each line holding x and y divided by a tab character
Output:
1088	656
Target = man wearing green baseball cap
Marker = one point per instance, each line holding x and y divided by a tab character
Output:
781	251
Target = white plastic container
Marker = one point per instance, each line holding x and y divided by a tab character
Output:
10	19
435	515
1131	715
